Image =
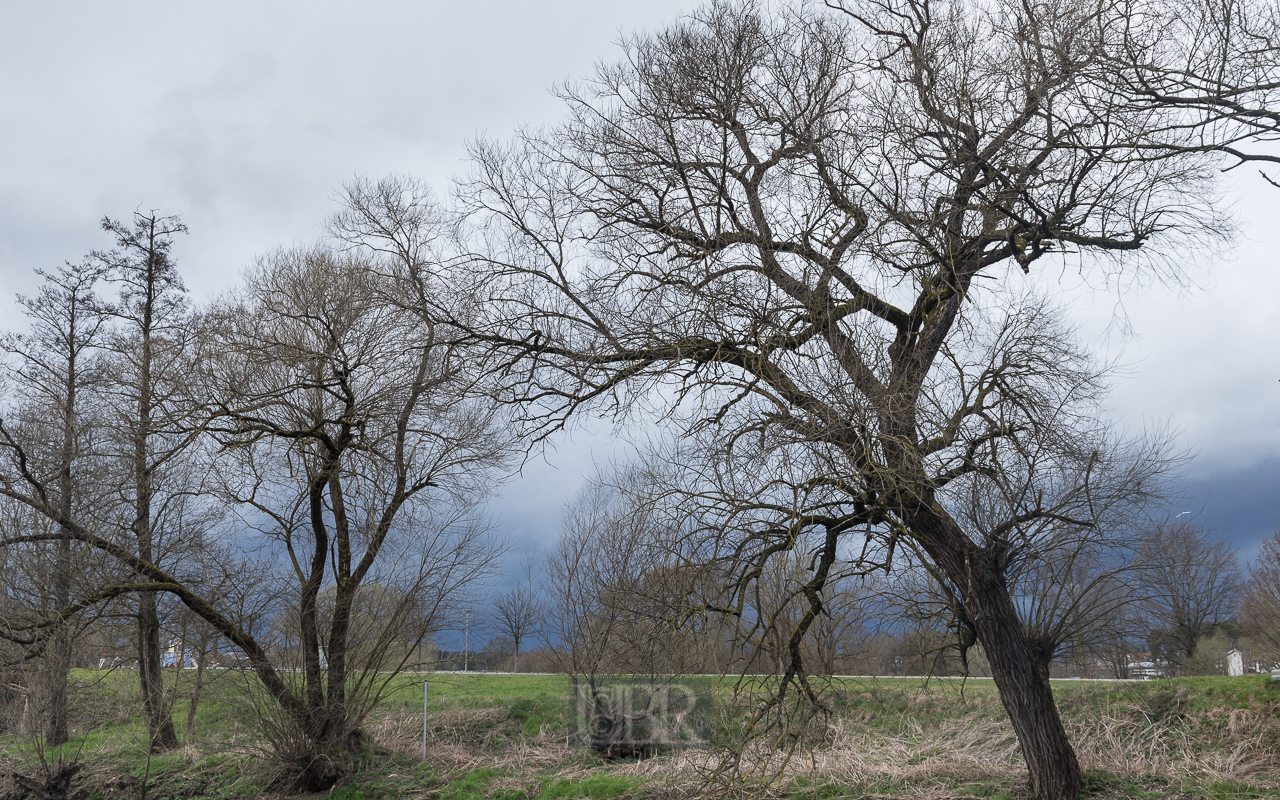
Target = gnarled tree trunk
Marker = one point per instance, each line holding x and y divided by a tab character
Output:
1024	691
1019	674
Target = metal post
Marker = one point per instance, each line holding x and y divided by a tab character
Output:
424	720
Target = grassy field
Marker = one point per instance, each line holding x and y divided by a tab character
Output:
506	737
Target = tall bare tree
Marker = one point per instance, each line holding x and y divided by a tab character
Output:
151	345
792	225
53	370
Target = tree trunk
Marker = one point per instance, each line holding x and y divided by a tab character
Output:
308	620
1025	692
151	679
159	720
337	723
58	669
58	663
195	690
1015	666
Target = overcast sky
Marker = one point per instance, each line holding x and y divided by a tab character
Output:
243	117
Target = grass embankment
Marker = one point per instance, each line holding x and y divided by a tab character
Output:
503	737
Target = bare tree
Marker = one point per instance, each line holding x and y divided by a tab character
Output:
832	642
516	614
345	429
844	634
615	608
54	368
1191	585
1260	608
791	222
151	346
600	549
777	602
341	419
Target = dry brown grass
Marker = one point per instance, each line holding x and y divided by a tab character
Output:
1178	747
1215	745
920	760
468	738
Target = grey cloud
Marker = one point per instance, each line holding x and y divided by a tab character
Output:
243	117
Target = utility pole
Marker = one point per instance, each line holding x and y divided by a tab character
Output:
466	640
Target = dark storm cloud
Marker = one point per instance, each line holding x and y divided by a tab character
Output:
1241	504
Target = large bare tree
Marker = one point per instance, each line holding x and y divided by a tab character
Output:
797	228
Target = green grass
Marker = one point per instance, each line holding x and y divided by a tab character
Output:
597	787
473	689
472	786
